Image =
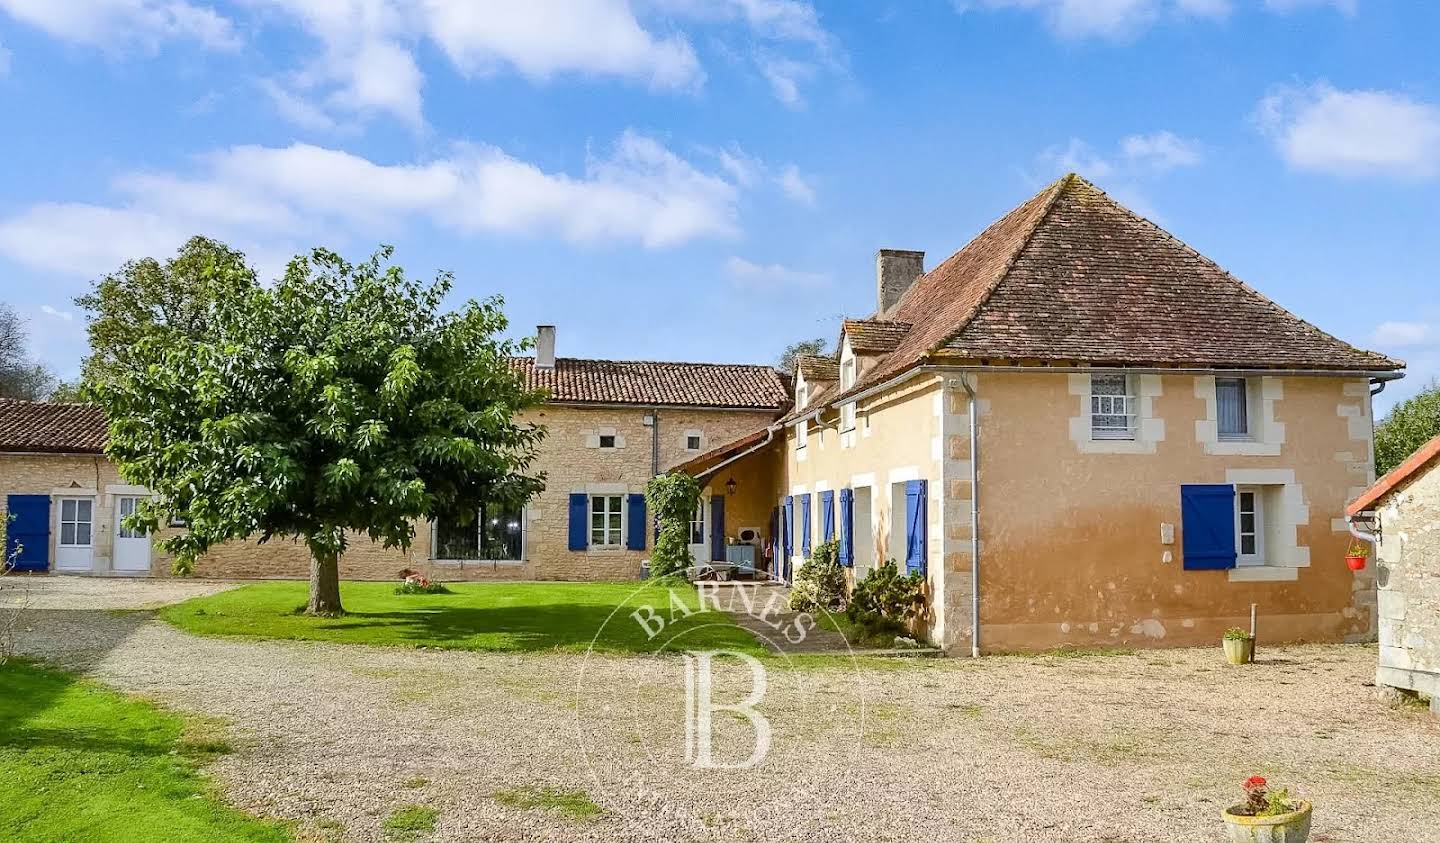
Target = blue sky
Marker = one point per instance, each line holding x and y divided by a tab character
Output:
710	179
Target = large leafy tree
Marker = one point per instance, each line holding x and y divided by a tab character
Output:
147	297
1407	426
342	400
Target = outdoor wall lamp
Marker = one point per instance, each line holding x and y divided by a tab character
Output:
730	485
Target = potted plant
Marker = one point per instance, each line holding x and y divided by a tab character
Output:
1239	646
1267	816
1356	555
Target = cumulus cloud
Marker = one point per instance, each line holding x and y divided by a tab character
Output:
795	186
125	23
1353	133
747	170
265	197
1403	334
751	274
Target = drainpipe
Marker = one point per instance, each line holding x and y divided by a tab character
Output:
974	521
704	476
1360	534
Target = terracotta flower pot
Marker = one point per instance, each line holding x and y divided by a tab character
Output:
1239	650
1356	563
1293	827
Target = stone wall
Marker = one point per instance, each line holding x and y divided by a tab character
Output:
571	458
1408	566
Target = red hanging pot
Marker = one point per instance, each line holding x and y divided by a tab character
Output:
1356	563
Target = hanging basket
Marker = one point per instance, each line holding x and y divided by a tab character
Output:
1356	563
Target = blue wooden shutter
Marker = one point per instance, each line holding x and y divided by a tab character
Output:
29	531
1207	525
579	522
805	525
847	527
717	528
789	527
635	527
915	538
827	515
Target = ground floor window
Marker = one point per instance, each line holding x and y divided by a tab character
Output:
606	520
697	524
496	533
76	522
1249	525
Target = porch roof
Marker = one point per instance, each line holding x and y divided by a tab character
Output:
698	465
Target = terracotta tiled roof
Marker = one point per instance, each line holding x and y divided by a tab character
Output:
817	368
39	427
1071	275
645	383
1397	476
872	336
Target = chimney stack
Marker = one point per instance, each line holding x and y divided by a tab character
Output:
895	271
545	347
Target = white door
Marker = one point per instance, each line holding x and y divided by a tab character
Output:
132	547
75	545
700	535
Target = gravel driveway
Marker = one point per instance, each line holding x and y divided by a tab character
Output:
1125	749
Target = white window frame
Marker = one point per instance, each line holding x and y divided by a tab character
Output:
697	438
1109	404
75	522
802	434
1257	531
697	522
609	541
847	380
1247	393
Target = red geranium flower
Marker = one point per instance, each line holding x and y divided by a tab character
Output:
1254	782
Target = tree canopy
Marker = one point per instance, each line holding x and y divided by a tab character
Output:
1407	426
147	297
20	377
790	357
342	400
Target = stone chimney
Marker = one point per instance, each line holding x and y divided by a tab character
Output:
545	347
895	271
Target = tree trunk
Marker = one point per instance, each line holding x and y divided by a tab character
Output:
324	585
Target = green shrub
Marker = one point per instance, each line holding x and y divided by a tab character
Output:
672	500
1407	426
820	581
885	601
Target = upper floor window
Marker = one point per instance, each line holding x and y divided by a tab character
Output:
802	434
802	396
1232	408
692	442
607	441
1112	407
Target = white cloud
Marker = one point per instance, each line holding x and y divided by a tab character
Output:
296	108
1160	151
122	23
785	77
1353	133
776	23
541	38
63	315
264	198
1136	156
749	273
1403	334
1348	7
795	186
1123	19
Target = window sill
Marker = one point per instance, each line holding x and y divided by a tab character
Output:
1263	573
461	563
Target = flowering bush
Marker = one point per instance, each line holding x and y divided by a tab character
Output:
1260	801
417	583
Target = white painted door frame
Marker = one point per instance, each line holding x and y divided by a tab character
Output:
131	553
75	533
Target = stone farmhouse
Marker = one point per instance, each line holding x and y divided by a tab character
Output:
1077	428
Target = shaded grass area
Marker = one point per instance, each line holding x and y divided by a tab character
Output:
575	804
80	762
505	617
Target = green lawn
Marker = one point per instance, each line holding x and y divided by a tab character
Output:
79	762
511	617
